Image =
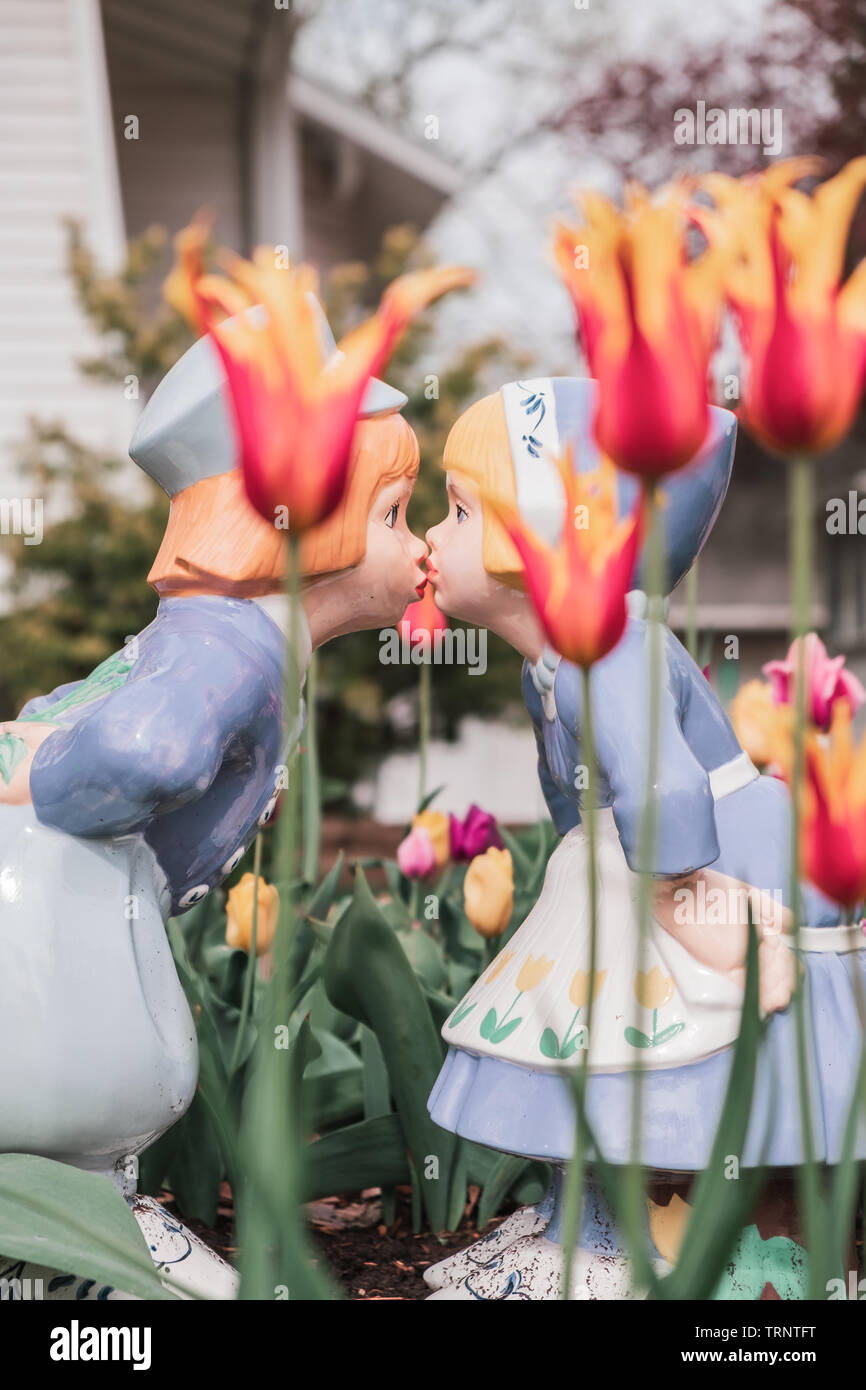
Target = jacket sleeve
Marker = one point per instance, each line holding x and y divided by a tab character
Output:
149	747
41	704
563	809
685	833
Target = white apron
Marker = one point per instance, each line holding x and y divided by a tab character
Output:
658	1006
99	1045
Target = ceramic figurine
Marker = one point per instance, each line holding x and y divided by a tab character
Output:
720	826
129	795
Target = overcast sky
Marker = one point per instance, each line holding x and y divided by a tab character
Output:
490	71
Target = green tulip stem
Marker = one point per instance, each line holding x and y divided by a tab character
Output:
274	1246
634	1184
424	710
580	1076
312	781
800	520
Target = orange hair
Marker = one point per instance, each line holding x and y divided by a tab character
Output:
478	449
216	541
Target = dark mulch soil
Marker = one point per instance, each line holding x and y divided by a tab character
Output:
371	1261
368	1260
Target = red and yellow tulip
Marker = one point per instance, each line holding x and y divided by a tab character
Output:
294	411
422	619
647	320
833	801
578	589
803	331
834	815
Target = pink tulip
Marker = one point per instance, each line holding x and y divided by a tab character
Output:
473	835
826	681
416	856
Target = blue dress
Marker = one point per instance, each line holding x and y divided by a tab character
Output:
708	815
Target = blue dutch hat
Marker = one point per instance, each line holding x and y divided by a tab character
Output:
546	414
185	432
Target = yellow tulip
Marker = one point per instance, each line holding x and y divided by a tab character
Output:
504	958
532	972
668	1226
579	989
488	891
652	988
752	712
239	914
438	827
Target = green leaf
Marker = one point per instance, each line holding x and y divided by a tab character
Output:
506	1030
461	978
324	1017
488	1024
377	1091
369	1154
75	1222
225	968
549	1043
460	1014
425	958
578	1041
333	1083
635	1038
457	1196
213	1076
322	900
367	975
720	1207
843	1195
440	1006
509	1169
667	1033
195	1167
431	796
522	861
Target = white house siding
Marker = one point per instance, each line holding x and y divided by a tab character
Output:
187	155
56	160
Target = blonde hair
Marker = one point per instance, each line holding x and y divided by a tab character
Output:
216	540
478	450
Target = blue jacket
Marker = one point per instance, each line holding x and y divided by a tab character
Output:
745	834
178	737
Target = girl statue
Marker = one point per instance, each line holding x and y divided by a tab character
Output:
722	837
129	795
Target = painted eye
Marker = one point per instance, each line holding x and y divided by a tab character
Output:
233	862
461	513
268	812
194	895
393	513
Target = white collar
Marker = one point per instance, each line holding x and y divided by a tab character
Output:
543	671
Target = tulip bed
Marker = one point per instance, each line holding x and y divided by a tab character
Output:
379	971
